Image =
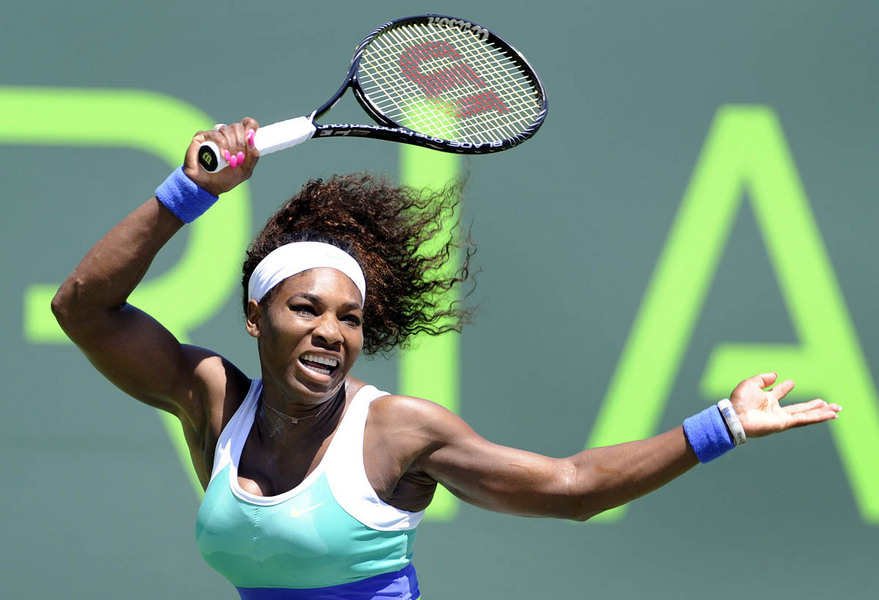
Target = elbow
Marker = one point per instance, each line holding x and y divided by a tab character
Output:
585	514
585	493
62	305
583	510
69	309
581	518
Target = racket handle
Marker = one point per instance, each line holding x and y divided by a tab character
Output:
268	139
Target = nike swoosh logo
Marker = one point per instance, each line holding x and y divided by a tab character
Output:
298	513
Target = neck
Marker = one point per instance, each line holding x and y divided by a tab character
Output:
277	423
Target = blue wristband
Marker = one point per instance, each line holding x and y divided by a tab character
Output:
708	435
183	197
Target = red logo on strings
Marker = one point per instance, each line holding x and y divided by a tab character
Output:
458	74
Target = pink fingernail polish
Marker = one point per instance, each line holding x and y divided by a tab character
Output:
226	155
241	158
249	137
233	161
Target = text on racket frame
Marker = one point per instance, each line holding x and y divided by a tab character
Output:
480	32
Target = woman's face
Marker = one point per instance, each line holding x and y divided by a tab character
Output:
310	334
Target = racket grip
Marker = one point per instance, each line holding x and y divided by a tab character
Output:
268	139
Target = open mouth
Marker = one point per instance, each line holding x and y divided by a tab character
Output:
322	365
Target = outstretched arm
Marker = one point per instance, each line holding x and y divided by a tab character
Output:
585	484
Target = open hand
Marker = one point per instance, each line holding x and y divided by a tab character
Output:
760	411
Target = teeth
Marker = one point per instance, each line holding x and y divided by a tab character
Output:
321	360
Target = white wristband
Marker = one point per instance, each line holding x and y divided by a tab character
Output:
731	418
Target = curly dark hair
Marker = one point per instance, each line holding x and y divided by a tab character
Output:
396	234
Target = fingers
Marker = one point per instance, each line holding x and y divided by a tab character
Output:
236	141
236	145
814	411
782	389
764	380
762	414
250	124
801	407
812	405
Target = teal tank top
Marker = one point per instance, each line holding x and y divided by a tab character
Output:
330	530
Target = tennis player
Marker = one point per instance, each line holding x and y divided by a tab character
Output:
316	482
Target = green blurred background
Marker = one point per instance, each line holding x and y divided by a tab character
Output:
701	200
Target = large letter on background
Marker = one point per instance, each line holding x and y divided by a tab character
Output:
746	150
207	271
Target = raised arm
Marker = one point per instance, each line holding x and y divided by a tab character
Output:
590	482
125	344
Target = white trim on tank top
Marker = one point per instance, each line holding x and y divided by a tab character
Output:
350	487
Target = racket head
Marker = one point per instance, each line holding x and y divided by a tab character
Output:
449	83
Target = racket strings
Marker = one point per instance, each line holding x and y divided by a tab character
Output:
486	106
448	83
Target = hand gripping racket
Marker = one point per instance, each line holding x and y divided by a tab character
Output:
429	80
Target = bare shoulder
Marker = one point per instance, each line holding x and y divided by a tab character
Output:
424	420
394	406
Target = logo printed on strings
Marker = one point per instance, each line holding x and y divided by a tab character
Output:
458	74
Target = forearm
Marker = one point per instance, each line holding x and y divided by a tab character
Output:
520	482
604	478
524	483
111	270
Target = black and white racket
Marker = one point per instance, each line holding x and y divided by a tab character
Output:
429	80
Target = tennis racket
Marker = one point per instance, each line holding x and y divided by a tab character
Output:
430	80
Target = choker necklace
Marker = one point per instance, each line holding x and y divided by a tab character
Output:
295	420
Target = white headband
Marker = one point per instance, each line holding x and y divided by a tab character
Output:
297	257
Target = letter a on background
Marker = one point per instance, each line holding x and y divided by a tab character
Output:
746	151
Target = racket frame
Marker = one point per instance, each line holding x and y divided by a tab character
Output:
301	129
387	129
